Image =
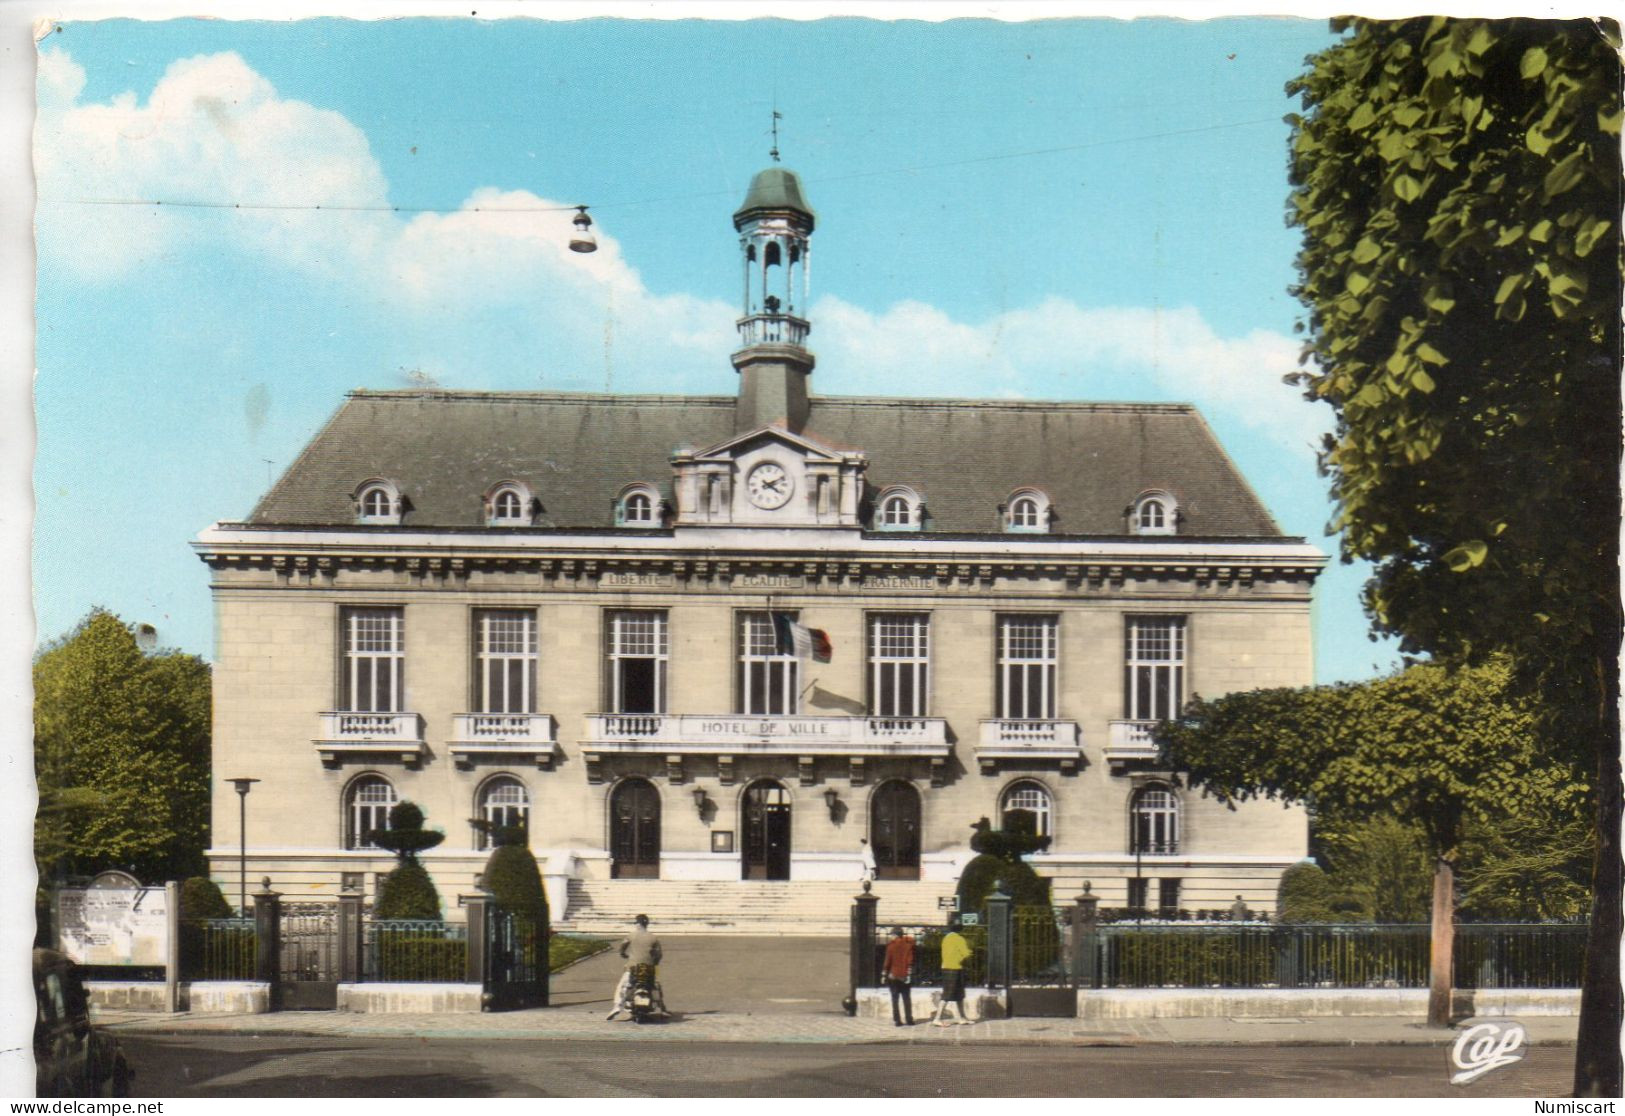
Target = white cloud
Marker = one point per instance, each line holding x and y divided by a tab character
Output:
1060	349
494	281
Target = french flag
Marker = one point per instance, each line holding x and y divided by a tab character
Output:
799	640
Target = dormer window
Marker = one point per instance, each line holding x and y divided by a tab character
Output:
1154	513
639	506
1027	510
897	509
508	504
377	501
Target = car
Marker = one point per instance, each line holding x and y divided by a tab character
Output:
71	1058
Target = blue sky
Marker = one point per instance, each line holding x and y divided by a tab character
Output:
1070	209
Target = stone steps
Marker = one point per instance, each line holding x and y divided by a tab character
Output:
813	907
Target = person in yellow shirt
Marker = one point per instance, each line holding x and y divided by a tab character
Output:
955	951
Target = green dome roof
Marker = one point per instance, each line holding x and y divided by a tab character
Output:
774	188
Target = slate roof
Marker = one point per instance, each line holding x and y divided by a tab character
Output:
577	452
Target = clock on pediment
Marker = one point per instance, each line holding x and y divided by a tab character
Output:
769	477
769	486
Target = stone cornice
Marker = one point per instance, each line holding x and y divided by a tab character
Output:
825	561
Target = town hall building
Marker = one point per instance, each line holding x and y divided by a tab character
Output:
570	610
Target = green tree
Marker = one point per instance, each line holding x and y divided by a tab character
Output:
1429	744
1458	186
121	755
1378	866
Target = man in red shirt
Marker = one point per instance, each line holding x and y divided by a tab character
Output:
895	972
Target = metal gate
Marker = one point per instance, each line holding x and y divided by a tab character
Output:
307	963
516	961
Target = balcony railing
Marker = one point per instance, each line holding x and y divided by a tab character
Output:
1130	740
1023	738
724	733
341	734
506	735
773	329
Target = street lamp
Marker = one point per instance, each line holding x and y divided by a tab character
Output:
243	787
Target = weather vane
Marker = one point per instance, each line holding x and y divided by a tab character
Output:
774	150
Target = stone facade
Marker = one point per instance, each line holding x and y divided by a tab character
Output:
778	517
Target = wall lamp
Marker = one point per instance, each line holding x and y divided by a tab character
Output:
699	801
832	799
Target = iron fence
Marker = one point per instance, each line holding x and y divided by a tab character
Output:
414	951
217	948
1245	955
927	969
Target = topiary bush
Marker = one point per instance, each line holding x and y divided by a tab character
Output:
515	882
407	892
406	836
1000	861
201	897
1305	895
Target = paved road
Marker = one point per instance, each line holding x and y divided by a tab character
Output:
732	975
231	1065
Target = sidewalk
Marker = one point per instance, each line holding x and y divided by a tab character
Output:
576	1023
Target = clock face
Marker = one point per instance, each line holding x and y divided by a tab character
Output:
769	486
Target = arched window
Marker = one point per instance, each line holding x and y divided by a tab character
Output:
1154	513
366	808
1029	797
508	504
1027	510
1154	820
503	801
897	509
639	506
377	501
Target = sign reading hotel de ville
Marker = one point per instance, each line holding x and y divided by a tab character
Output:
767	729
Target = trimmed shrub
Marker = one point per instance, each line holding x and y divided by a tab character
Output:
408	892
201	897
406	836
512	878
1025	887
1305	895
408	955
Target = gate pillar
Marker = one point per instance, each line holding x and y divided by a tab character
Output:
1085	938
268	940
865	968
478	906
350	936
1000	951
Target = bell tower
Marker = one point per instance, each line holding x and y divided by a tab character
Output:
774	226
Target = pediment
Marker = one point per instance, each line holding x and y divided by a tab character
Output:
748	442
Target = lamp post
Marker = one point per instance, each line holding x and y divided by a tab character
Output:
243	787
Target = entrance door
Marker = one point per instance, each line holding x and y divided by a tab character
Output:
634	831
894	828
766	853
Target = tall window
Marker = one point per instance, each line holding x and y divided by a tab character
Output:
1031	798
768	681
374	658
1155	667
503	801
1024	512
505	660
1136	893
637	662
375	503
1027	659
1168	899
366	809
898	661
507	507
1154	821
